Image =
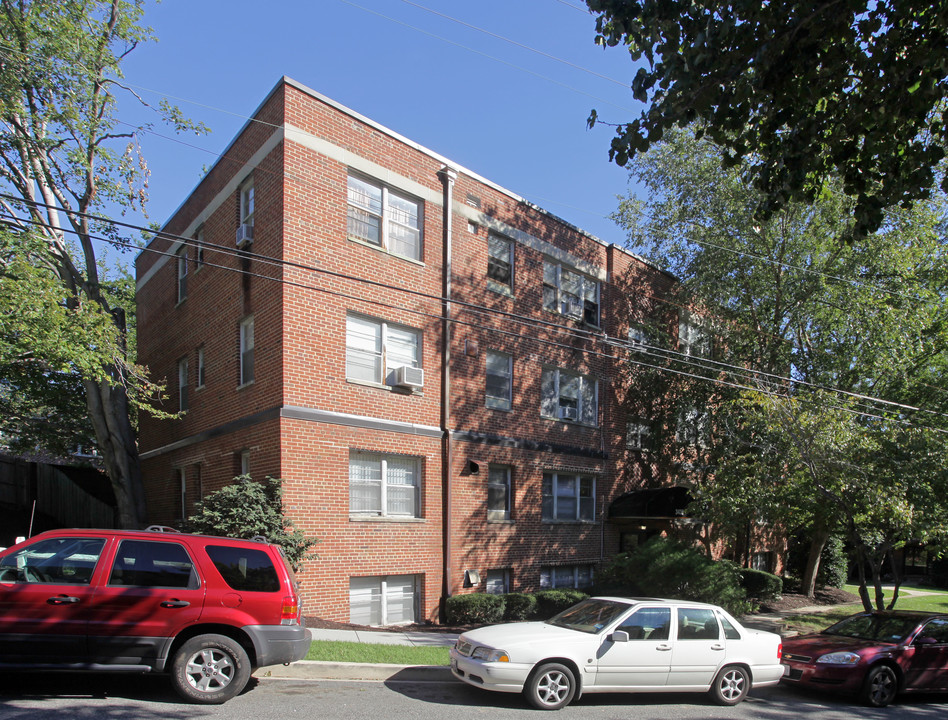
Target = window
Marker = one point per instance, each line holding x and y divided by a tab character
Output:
246	351
648	624
182	385
245	569
382	600
183	488
571	294
201	367
693	338
142	563
639	337
499	380
638	435
384	485
199	250
244	462
568	396
182	265
247	203
383	217
566	576
569	497
498	582
58	561
697	624
499	264
498	492
376	349
693	427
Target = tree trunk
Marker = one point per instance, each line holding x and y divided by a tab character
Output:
812	569
108	411
861	569
897	578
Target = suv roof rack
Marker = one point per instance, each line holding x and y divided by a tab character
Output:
161	529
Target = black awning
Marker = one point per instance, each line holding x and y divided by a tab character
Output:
667	502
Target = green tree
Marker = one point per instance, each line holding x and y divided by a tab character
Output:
247	509
806	92
65	160
796	312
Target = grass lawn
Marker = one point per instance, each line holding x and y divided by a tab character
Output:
936	601
337	651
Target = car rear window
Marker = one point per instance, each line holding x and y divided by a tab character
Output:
246	569
144	563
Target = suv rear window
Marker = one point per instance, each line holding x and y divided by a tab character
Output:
245	569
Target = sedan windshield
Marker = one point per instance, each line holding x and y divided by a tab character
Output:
589	616
881	628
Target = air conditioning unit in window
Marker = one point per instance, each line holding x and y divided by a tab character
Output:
409	377
244	235
569	413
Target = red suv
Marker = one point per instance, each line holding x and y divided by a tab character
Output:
208	610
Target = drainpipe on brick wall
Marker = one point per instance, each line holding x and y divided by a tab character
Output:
448	176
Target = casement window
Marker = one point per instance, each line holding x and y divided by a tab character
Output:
499	380
568	396
383	217
182	267
500	263
693	337
246	351
571	294
384	485
498	492
376	349
247	203
383	600
182	385
244	462
498	582
693	427
638	435
566	576
569	497
201	368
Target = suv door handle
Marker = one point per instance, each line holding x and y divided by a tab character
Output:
62	600
175	603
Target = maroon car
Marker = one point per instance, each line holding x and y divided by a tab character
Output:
874	655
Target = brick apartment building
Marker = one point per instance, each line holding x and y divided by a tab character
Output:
428	361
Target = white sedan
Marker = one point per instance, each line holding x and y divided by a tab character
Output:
607	644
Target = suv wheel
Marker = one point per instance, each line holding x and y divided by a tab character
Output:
210	669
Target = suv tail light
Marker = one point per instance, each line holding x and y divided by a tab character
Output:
290	610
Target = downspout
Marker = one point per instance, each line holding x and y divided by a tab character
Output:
448	177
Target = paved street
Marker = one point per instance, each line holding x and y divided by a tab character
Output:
100	697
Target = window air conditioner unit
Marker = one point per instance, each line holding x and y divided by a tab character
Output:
409	377
569	413
244	235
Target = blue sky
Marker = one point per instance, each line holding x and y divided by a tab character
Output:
515	116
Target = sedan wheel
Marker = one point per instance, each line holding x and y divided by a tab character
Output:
731	685
880	687
551	687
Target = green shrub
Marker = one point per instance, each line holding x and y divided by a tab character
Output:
519	606
247	509
761	585
834	565
666	568
551	602
474	609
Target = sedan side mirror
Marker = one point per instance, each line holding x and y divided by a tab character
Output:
619	636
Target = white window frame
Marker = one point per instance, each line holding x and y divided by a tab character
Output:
391	211
498	481
557	399
182	273
638	435
562	490
199	250
505	375
552	577
247	366
386	489
201	368
498	247
248	202
639	337
245	462
382	601
383	358
497	582
694	338
183	385
693	427
575	302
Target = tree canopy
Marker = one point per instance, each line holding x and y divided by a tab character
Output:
801	92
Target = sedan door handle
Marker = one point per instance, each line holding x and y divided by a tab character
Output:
664	647
175	603
717	647
62	600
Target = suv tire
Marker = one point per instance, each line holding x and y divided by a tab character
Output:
210	669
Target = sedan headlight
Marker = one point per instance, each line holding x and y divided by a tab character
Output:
486	654
839	658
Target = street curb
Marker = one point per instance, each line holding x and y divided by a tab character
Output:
319	670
